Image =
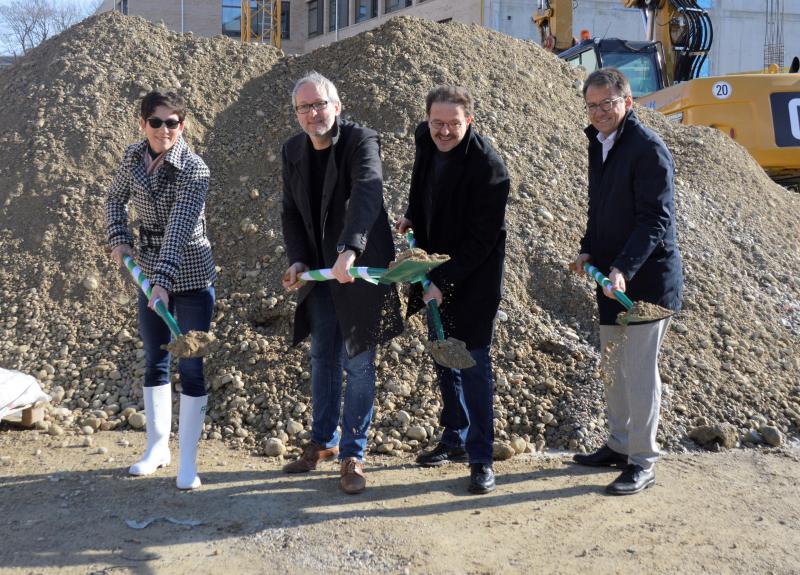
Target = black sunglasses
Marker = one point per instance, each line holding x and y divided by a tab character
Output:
155	123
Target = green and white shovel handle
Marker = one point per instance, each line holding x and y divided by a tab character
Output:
433	307
147	288
372	275
606	283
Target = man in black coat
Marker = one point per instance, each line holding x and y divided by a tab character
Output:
630	237
457	202
333	215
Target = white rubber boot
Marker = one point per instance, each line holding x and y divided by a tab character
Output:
158	414
190	426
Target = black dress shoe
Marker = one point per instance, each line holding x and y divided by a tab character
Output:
441	455
633	480
481	478
603	457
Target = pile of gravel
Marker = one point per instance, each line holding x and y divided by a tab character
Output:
732	358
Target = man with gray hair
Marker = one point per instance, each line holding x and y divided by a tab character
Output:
333	216
630	237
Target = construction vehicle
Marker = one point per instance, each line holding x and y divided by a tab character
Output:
759	110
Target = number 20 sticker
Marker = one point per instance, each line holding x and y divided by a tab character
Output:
722	90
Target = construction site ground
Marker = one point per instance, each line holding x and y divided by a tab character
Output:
65	508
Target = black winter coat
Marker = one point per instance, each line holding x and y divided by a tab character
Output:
352	213
468	224
631	223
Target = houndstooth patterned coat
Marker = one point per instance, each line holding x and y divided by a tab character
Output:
174	251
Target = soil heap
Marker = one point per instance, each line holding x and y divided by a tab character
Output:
69	108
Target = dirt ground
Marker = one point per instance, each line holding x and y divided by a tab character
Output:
65	506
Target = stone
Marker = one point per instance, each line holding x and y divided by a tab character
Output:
273	447
518	444
137	420
502	451
772	435
417	432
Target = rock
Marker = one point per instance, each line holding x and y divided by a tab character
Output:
417	432
518	444
403	418
724	435
772	435
502	451
137	420
274	447
56	430
293	427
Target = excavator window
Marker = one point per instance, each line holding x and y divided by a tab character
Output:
639	69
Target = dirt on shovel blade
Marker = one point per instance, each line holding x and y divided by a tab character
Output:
451	353
643	311
191	344
418	255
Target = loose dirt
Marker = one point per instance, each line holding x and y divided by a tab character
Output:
643	311
192	344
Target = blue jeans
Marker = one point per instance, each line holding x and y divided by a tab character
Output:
328	358
192	311
467	411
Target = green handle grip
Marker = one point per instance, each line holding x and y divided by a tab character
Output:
147	288
433	307
606	283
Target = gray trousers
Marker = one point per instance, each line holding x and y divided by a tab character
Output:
634	394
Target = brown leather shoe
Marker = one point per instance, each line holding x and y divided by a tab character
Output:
353	480
312	454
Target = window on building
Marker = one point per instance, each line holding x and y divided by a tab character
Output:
232	18
392	5
316	21
366	9
343	7
121	6
285	19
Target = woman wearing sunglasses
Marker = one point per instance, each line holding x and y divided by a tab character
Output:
166	184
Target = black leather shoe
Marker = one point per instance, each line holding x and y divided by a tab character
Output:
633	480
441	455
481	478
603	457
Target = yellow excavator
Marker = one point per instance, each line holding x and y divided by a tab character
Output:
760	110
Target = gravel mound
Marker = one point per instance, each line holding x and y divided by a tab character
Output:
732	356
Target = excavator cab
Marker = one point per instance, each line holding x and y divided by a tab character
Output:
641	62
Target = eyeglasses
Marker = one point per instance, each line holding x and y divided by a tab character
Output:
604	105
438	125
155	123
317	107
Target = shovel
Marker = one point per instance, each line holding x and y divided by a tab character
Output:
192	344
408	268
634	312
450	352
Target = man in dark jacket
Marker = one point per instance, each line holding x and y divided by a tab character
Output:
630	237
457	202
333	215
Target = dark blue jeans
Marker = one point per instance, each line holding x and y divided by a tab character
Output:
192	311
467	411
328	358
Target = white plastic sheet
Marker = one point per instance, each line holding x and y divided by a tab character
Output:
17	391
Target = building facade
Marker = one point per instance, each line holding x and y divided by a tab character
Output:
739	25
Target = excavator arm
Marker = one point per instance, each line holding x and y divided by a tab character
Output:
684	30
553	18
